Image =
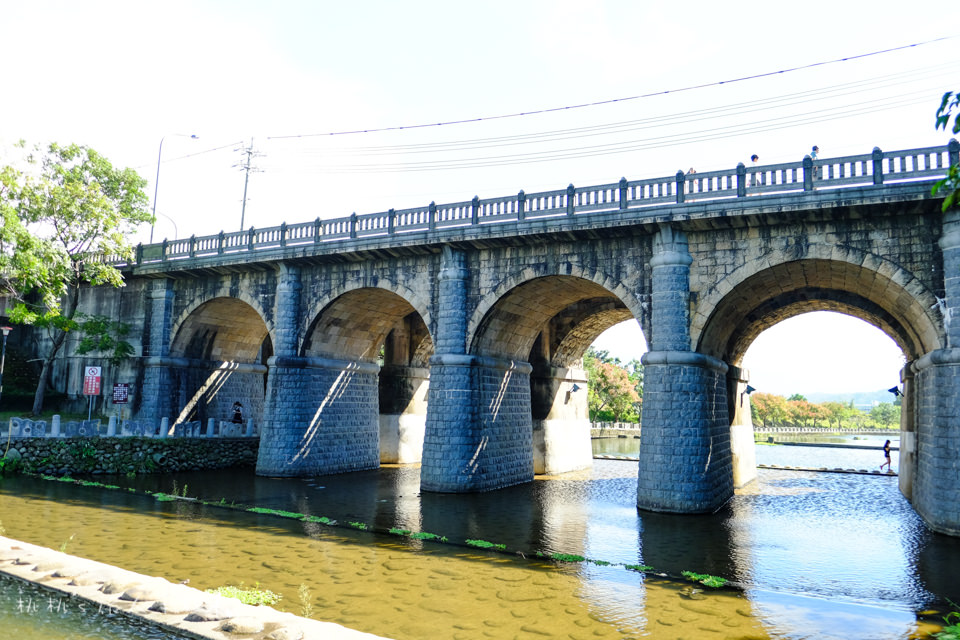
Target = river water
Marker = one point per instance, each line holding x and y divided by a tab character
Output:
818	555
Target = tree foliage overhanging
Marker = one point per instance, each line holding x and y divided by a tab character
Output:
62	208
950	185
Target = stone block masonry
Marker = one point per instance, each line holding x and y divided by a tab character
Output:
73	456
685	462
322	416
482	436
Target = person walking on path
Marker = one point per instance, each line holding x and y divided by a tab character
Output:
886	453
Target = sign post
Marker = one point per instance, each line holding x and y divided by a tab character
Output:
91	385
121	395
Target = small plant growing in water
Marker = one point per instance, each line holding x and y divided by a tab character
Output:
423	535
638	567
566	557
705	579
63	545
306	606
952	630
359	525
252	595
483	544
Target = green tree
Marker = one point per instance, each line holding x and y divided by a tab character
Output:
885	414
950	186
795	397
768	409
800	412
611	393
837	412
104	336
63	208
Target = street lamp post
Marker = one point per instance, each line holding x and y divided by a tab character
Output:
3	356
156	181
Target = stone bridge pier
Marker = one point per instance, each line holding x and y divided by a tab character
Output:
685	455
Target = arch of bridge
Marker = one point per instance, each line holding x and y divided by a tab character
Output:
506	324
585	329
353	322
220	328
757	296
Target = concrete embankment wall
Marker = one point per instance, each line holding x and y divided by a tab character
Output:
174	607
69	456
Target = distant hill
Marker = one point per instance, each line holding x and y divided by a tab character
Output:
862	400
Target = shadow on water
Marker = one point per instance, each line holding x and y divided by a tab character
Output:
839	541
829	535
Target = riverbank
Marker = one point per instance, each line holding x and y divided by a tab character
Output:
178	608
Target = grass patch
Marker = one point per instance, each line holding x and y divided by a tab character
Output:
359	525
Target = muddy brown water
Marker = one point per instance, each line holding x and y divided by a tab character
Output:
409	589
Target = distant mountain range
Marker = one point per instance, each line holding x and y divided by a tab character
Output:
861	399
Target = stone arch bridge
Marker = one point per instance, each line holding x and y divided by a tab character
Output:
453	335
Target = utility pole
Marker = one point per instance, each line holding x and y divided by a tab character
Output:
246	165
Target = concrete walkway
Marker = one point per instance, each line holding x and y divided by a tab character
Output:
188	612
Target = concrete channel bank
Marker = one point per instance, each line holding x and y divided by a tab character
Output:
179	608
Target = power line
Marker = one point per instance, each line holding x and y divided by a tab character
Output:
617	100
846	89
714	133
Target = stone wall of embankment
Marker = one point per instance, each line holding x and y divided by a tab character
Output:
70	456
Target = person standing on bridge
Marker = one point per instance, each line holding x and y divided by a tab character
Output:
886	453
237	413
753	179
815	155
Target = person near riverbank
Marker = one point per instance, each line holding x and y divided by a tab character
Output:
237	413
886	453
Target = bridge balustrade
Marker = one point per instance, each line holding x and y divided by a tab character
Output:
876	168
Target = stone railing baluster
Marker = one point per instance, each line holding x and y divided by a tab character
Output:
807	173
877	160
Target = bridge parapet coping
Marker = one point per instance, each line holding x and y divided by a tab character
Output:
871	169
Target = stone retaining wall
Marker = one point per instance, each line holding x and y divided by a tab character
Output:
69	456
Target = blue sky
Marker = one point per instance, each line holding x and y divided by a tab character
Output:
122	76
